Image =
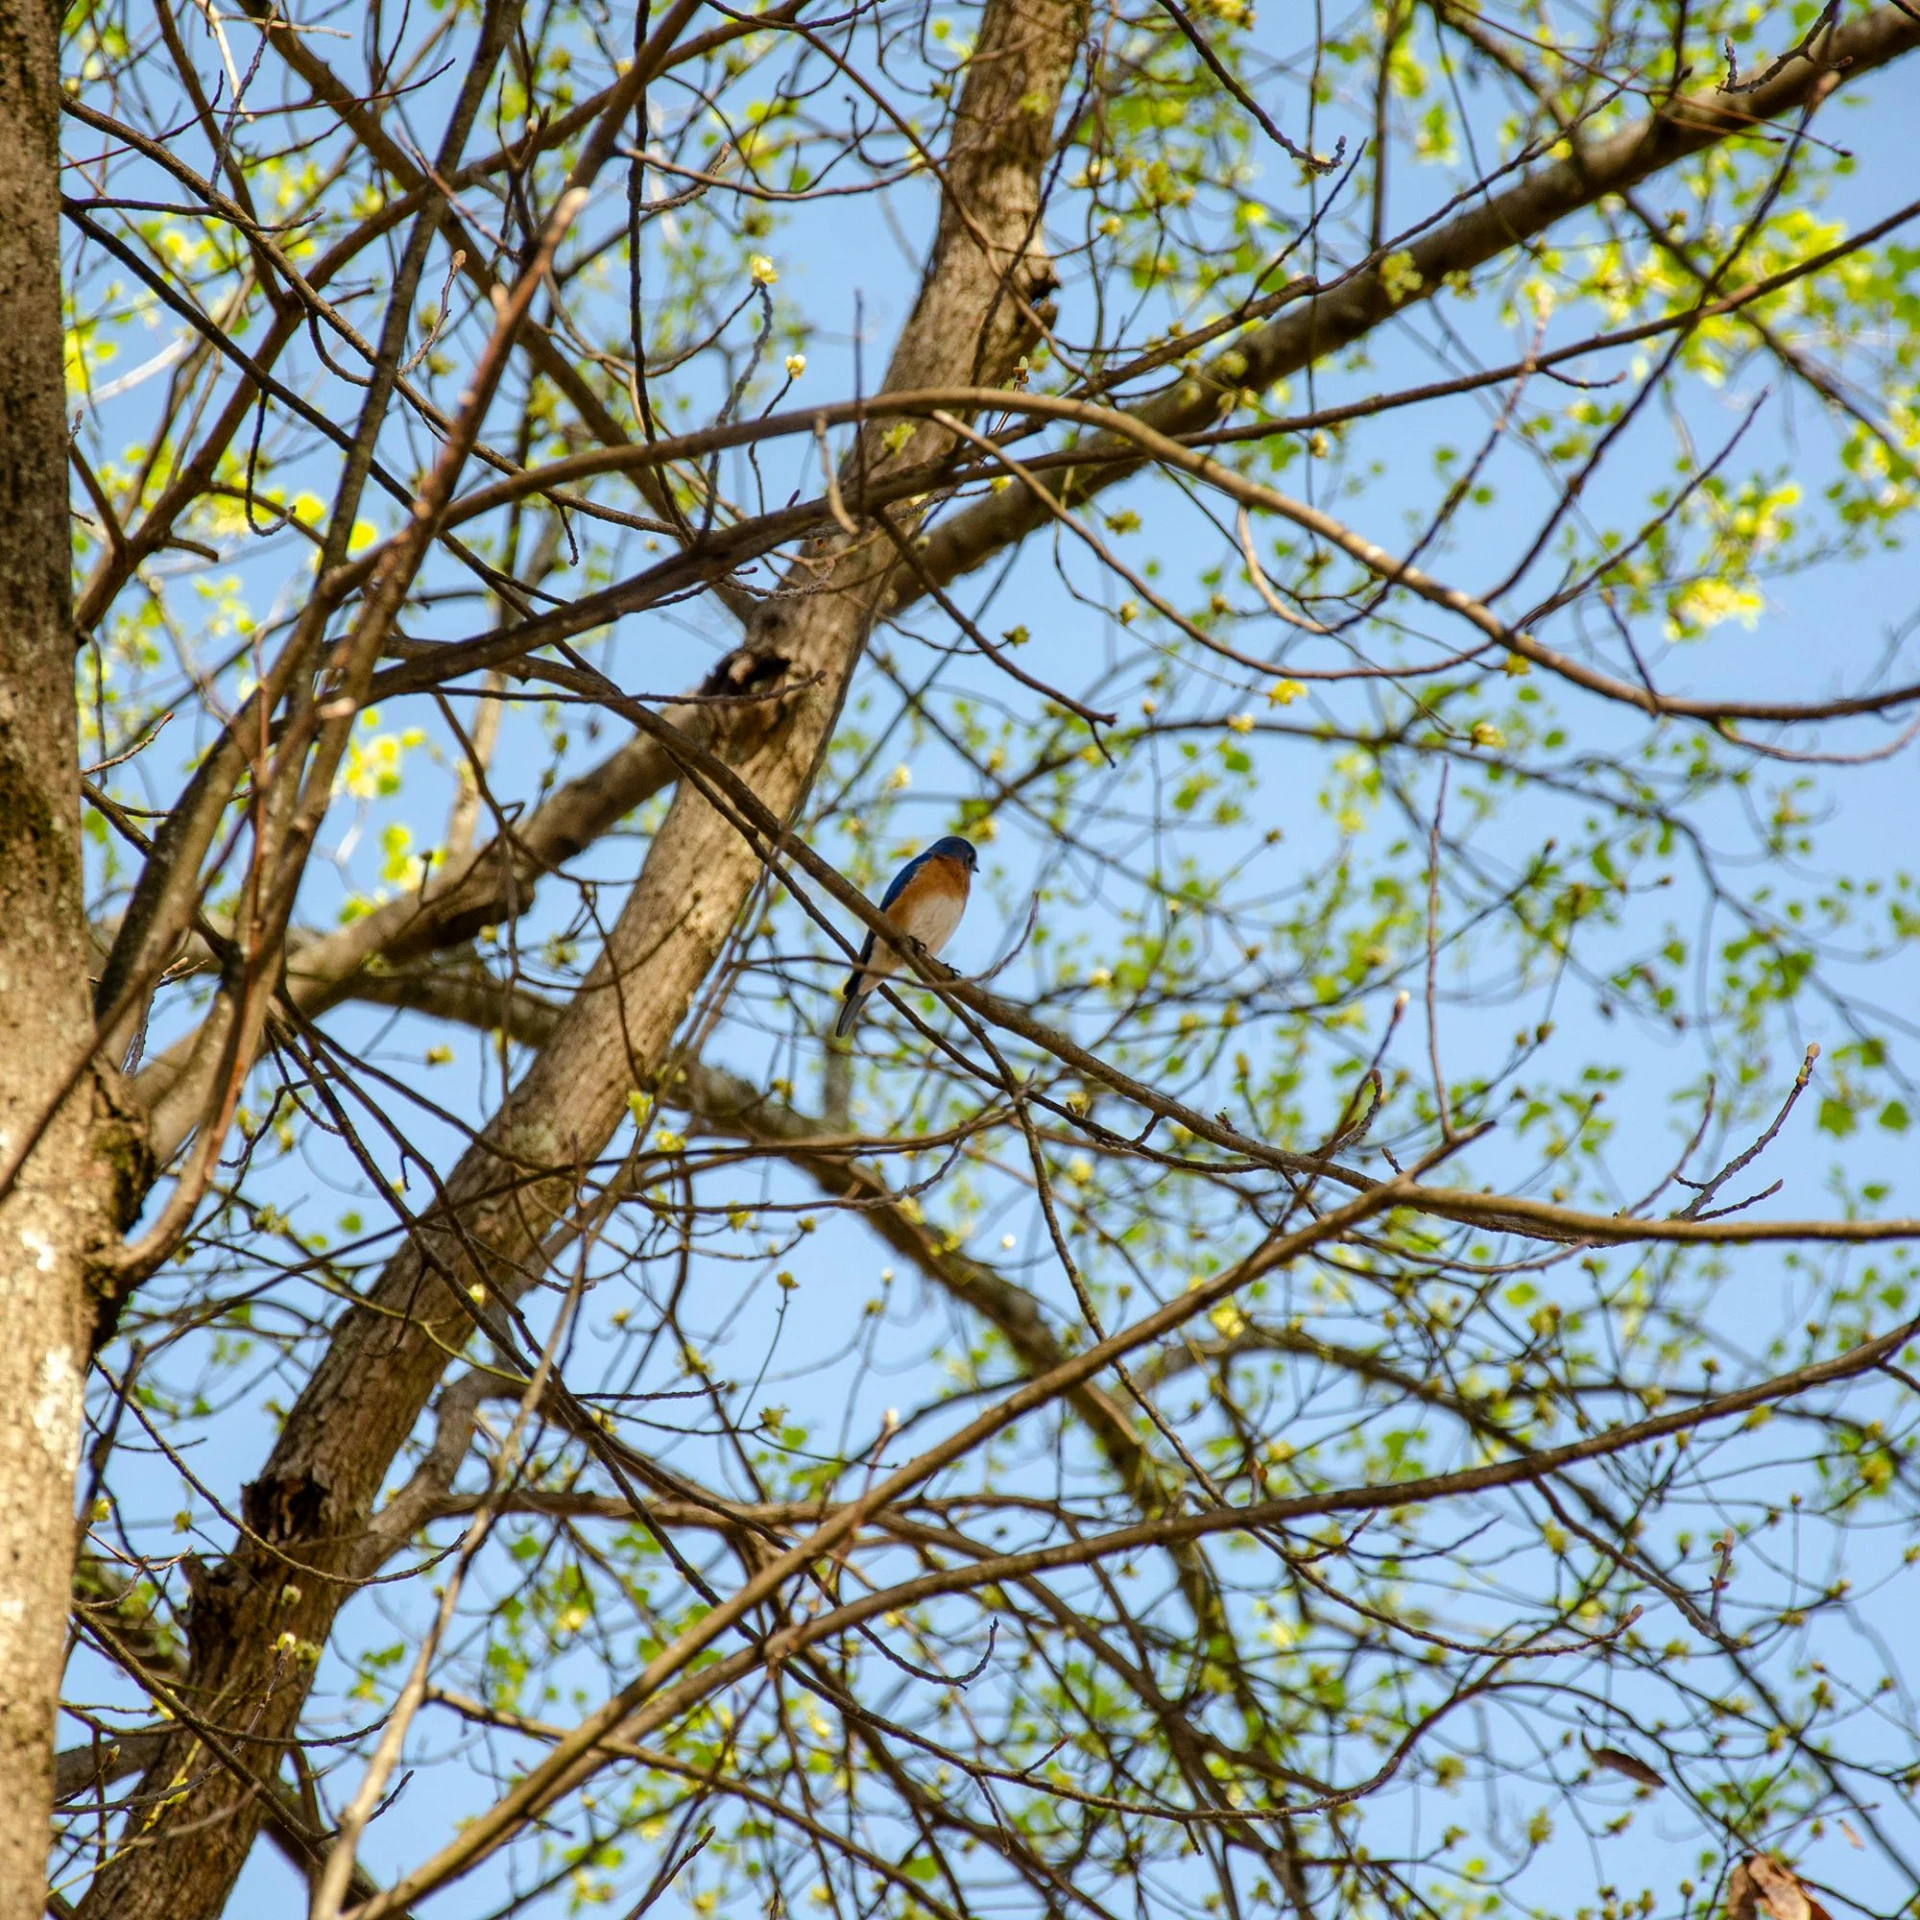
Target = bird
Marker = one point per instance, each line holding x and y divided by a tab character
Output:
925	901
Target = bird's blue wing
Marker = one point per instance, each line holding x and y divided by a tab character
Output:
901	878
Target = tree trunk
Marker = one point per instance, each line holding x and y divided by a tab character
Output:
256	1626
59	1207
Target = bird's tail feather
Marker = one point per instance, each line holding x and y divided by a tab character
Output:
853	993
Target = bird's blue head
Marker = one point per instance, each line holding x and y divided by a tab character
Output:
953	847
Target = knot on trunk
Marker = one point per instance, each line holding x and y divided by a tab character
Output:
757	668
284	1507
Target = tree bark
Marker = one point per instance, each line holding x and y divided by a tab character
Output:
60	1205
258	1623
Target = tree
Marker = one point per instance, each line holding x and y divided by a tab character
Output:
1314	512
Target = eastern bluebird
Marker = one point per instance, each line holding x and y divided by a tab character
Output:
925	901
